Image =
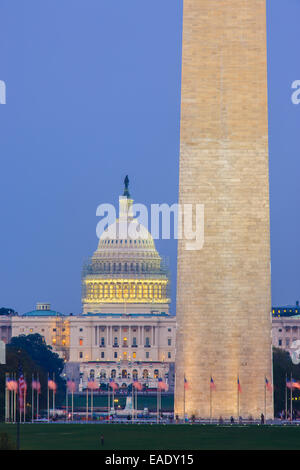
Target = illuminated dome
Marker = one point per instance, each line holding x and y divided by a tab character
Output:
125	269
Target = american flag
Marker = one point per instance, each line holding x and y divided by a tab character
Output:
52	385
186	384
22	387
137	384
292	384
92	385
71	385
239	385
212	384
268	385
162	385
113	384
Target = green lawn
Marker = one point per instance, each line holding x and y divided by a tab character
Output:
154	437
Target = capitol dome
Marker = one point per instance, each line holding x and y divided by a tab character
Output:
125	269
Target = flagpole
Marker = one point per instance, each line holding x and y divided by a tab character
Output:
132	402
157	403
160	392
24	396
67	400
286	396
11	406
238	406
210	401
184	399
108	402
9	403
18	422
48	398
72	404
20	407
92	404
53	395
87	404
32	399
291	396
14	401
265	399
6	398
37	396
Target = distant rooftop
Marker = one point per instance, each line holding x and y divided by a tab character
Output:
286	311
43	313
43	310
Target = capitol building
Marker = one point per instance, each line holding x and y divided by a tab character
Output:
125	330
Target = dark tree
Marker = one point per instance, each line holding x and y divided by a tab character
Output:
36	357
7	311
39	351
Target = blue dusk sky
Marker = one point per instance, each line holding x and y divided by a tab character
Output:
93	94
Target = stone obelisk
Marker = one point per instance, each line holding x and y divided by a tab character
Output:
223	292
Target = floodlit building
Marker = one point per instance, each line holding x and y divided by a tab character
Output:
223	286
125	329
286	327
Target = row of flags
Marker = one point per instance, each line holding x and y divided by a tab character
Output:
20	386
161	385
267	383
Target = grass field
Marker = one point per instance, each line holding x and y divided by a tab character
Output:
153	437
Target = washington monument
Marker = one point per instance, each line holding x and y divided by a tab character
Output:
223	292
